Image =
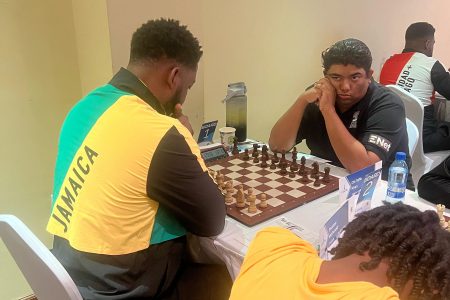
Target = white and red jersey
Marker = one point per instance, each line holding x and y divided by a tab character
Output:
411	71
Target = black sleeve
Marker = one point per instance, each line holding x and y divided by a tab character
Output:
177	181
434	186
440	79
386	126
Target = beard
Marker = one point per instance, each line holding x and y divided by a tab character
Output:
174	100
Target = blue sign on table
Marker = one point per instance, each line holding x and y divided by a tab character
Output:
207	132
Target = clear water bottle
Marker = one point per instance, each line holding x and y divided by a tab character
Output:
236	109
398	176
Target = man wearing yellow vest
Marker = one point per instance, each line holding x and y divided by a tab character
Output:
130	182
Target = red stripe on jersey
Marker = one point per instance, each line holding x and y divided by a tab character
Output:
393	67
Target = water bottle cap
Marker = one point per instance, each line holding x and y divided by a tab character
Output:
400	156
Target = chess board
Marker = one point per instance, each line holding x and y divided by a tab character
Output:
283	193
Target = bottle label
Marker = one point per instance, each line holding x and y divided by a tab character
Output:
396	194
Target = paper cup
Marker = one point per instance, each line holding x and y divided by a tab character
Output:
227	136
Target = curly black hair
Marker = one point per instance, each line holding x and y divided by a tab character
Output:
348	51
415	245
165	38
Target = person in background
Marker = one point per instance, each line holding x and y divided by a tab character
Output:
416	71
391	252
130	183
346	118
434	186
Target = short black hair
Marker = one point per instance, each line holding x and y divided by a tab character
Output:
413	242
165	38
348	51
419	30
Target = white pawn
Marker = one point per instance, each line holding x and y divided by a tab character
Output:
240	201
251	201
229	192
440	211
263	198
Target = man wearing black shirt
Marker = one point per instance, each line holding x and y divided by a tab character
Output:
346	118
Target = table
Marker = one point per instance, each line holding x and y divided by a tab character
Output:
231	245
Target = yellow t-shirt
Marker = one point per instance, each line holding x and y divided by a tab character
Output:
279	265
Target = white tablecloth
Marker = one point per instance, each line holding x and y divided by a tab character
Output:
231	245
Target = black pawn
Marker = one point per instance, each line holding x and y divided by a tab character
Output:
246	155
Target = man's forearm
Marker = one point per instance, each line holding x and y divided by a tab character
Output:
351	153
284	133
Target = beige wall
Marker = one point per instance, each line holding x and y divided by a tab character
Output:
39	80
126	17
92	43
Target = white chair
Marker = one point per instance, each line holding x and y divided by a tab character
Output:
421	163
45	274
413	136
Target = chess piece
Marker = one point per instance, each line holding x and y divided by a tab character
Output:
440	211
283	170
301	170
265	152
326	175
283	156
246	155
275	157
317	181
251	201
255	150
302	161
294	164
235	150
305	177
229	192
263	161
221	182
315	169
294	153
240	199
263	199
273	166
291	174
256	159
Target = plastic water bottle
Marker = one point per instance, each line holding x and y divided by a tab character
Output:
236	109
398	176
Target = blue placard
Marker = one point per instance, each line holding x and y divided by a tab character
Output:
355	195
207	132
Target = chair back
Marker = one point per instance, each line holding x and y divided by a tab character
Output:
413	136
46	276
414	111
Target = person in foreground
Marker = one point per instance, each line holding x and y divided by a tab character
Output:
391	252
416	71
346	118
130	183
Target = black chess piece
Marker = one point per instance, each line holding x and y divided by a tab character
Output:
301	170
256	159
263	162
305	177
255	150
273	166
275	157
326	175
292	174
317	181
303	161
235	150
294	153
246	155
283	170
